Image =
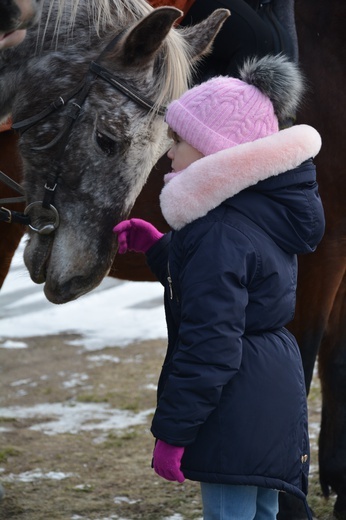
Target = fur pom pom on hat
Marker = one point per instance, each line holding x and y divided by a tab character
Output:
224	112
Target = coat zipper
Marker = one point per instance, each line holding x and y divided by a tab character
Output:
170	283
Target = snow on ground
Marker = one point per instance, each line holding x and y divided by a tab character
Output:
76	417
115	314
104	317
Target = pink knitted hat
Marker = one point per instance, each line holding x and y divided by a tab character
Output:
221	113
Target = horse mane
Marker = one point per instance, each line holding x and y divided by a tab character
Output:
175	70
101	12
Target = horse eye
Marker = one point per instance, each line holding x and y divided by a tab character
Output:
106	144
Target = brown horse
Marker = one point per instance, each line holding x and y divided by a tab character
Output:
10	163
319	324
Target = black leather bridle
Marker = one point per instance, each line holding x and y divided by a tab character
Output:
50	216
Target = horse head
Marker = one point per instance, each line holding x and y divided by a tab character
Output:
92	127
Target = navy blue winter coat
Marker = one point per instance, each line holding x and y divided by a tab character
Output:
232	387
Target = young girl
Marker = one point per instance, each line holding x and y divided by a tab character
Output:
242	200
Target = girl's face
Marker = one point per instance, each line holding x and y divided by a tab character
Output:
181	153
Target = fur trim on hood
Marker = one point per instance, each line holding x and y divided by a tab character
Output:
206	183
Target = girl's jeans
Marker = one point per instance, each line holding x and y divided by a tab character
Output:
227	502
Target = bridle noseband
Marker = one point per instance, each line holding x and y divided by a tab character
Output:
46	213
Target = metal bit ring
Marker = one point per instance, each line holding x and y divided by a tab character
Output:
47	218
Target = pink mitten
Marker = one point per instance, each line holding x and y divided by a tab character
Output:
136	235
167	459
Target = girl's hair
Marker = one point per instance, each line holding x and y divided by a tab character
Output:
173	135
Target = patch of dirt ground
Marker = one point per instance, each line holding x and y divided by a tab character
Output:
62	456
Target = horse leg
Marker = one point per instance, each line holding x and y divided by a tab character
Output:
332	372
10	234
319	279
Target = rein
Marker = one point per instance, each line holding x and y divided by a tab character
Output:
7	215
46	214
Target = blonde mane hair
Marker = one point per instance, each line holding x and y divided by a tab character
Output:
175	70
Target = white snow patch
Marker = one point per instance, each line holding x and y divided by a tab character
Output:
10	344
76	417
36	474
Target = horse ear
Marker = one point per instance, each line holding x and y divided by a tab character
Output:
200	37
142	42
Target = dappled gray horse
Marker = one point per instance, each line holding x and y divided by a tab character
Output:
90	134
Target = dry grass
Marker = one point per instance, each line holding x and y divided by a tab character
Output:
110	474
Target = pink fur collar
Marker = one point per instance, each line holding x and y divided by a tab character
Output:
206	183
